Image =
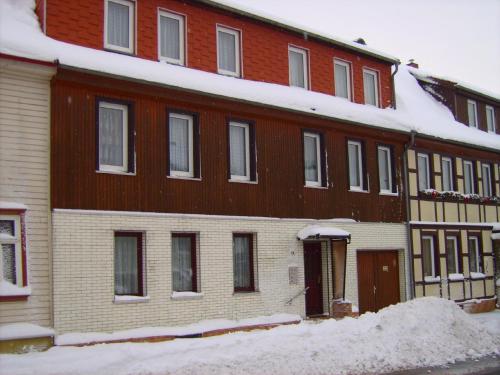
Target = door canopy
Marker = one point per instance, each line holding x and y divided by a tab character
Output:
317	231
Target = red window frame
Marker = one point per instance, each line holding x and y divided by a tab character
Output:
194	263
140	269
251	287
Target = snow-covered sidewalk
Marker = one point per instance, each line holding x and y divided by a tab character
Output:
422	332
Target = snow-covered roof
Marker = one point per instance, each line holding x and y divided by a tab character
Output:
4	205
317	231
417	111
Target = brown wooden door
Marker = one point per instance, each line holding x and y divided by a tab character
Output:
312	270
378	280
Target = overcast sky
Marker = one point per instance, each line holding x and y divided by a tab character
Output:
455	38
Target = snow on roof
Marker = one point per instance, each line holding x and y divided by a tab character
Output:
12	206
417	111
320	231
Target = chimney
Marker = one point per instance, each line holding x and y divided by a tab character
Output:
412	63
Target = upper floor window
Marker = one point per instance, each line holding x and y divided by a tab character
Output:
298	67
385	173
119	25
486	177
452	255
370	85
355	158
475	259
128	264
171	37
447	172
241	151
184	262
490	119
424	177
342	77
181	145
243	262
469	178
312	159
430	258
228	51
472	113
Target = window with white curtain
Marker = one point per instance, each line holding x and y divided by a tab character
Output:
429	257
312	159
486	177
128	264
239	149
298	67
424	177
342	77
243	262
490	119
119	25
472	113
181	152
452	255
355	159
475	261
184	262
370	86
171	37
384	169
10	241
447	172
469	178
113	137
228	51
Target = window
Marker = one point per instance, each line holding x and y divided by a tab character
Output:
171	37
184	264
228	51
385	172
355	159
424	178
241	151
114	138
452	255
370	85
486	176
342	76
12	244
312	159
475	261
490	119
472	113
128	264
243	262
181	150
447	171
470	183
297	67
120	25
429	258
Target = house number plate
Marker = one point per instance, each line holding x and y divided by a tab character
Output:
385	268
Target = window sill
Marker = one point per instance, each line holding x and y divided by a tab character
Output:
228	73
116	172
432	279
172	62
455	277
184	178
120	50
130	299
351	190
243	181
245	292
389	194
186	296
477	275
316	187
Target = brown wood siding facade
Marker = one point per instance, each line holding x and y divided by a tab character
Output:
279	191
481	103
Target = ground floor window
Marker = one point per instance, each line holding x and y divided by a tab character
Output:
128	264
243	262
184	262
475	261
452	255
429	257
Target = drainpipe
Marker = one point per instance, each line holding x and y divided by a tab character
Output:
409	262
393	86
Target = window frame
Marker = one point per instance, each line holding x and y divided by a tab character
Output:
361	172
140	260
194	260
252	287
237	50
491	124
191	144
20	257
435	270
319	151
131	4
427	170
250	151
390	171
346	65
451	175
456	253
483	179
472	103
472	176
479	256
374	74
182	36
305	59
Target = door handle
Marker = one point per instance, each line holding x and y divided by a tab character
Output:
374	290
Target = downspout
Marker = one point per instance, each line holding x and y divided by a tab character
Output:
393	85
408	257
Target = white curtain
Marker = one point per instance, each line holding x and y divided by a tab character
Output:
473	256
227	51
126	266
237	139
447	186
169	37
423	173
179	144
486	181
296	61
354	165
469	178
182	273
451	254
341	81
369	88
383	168
241	262
310	158
111	136
9	262
118	24
427	255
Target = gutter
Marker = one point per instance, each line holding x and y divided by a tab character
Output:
409	263
394	84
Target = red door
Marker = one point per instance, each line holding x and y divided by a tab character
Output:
312	269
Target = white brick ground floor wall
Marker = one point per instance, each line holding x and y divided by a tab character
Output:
83	267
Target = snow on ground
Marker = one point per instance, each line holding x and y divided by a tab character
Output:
423	332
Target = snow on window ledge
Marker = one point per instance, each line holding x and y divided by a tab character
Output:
477	275
432	279
130	299
391	194
456	276
12	206
10	290
186	295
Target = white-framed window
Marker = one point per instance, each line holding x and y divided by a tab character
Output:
384	169
171	36
429	257
113	137
472	113
239	149
312	159
490	119
129	265
452	255
355	159
370	86
298	67
486	177
119	25
469	179
181	150
228	51
10	240
447	172
424	177
342	77
184	263
475	261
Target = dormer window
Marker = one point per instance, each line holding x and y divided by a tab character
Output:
119	25
490	119
297	67
342	77
370	85
171	37
472	113
228	51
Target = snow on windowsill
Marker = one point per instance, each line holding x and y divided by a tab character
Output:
116	172
130	299
351	190
477	275
432	279
17	331
6	237
12	206
186	295
172	177
316	187
243	181
388	193
456	276
9	289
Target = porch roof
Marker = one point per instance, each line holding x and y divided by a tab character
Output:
318	231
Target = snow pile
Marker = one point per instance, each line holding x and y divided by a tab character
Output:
423	332
317	230
23	331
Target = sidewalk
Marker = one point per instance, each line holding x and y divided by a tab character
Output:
484	366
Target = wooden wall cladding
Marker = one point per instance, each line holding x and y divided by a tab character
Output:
280	190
